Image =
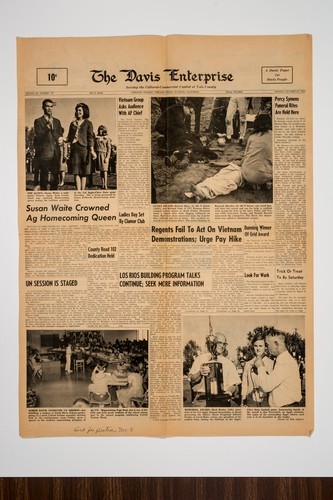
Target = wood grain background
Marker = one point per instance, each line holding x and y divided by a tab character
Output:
166	488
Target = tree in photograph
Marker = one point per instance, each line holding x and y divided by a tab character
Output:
29	138
294	342
190	352
295	345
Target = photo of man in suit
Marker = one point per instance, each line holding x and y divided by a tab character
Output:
48	134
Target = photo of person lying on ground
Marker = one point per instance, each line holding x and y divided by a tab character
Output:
195	138
256	168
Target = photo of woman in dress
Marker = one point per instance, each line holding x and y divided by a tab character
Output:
252	393
103	152
81	139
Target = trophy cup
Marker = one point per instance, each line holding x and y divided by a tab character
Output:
214	380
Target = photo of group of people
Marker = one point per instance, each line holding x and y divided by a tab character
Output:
253	361
103	368
70	144
212	149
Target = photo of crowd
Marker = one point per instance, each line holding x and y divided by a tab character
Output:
206	149
252	361
106	368
70	144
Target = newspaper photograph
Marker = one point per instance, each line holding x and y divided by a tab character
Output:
165	224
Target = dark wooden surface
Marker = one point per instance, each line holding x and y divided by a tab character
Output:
166	488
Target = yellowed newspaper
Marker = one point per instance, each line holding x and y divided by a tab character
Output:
165	224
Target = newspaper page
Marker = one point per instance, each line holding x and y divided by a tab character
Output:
165	220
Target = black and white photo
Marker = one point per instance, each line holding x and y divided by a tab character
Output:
87	368
70	144
208	149
246	360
